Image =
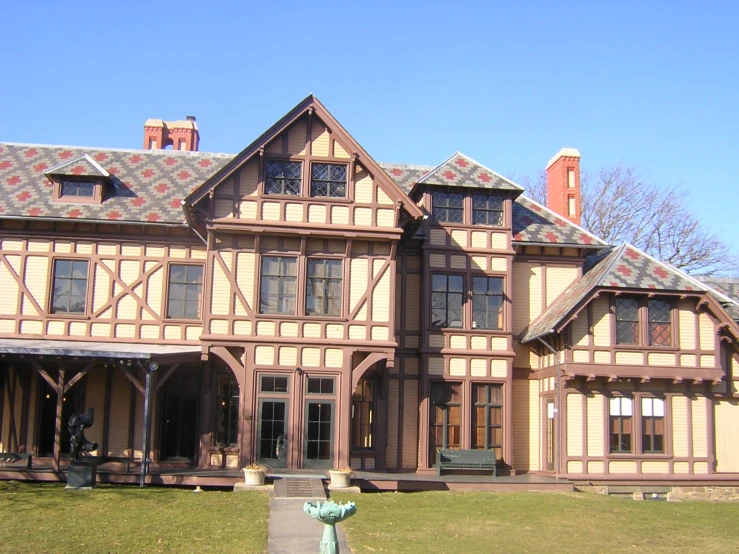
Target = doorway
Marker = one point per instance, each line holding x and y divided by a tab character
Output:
179	416
71	404
273	432
549	435
319	432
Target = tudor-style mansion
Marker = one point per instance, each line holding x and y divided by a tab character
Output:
303	306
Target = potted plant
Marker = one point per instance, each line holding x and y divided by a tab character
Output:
341	477
254	474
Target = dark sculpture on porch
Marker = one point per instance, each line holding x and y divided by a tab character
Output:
78	444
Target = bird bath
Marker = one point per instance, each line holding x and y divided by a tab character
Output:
329	513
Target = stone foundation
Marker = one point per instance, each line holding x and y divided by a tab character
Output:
715	494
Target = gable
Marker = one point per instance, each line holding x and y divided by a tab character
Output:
308	135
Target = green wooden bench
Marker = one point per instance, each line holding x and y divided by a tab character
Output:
466	459
12	457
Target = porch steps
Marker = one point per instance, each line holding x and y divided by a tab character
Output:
291	487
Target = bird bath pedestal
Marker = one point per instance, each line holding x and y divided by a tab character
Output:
329	513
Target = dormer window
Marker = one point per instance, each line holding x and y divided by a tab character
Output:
84	189
487	210
447	207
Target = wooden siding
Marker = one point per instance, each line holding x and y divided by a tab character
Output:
526	425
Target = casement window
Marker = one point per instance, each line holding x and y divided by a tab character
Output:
323	288
445	418
487	418
226	421
644	414
487	302
78	189
487	210
282	177
70	287
277	291
632	316
363	421
328	180
652	425
185	291
621	415
447	293
447	207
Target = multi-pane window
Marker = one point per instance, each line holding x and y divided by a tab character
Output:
323	291
627	321
83	189
446	300
621	412
185	290
226	430
487	302
282	177
487	210
659	314
277	292
272	383
320	385
446	207
652	425
363	402
70	287
328	180
487	418
445	418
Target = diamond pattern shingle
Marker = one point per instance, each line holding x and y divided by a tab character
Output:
147	185
462	171
624	267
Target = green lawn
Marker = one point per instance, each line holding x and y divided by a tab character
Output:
456	522
46	518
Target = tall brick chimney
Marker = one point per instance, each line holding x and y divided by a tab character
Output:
180	135
563	184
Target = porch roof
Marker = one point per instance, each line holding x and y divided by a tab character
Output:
42	347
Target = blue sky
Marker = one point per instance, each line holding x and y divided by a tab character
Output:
651	83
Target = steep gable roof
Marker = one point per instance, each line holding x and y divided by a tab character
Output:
624	267
460	170
84	166
309	103
537	224
147	185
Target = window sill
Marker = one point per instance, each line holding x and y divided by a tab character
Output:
629	456
69	315
318	318
646	348
183	321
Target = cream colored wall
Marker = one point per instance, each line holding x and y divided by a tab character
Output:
726	415
526	425
113	313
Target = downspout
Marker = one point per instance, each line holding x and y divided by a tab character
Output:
557	407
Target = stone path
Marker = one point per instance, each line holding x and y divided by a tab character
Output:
292	531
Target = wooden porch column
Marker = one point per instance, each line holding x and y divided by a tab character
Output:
58	419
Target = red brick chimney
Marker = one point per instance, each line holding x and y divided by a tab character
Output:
180	135
563	184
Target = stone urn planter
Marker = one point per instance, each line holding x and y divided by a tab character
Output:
254	475
340	478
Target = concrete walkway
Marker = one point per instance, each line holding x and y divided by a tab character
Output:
291	530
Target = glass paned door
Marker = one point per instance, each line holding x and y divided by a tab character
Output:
273	433
319	431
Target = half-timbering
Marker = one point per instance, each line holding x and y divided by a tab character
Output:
303	306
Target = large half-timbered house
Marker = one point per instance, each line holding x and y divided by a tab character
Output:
302	306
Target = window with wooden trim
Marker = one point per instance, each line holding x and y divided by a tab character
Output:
627	321
185	291
323	287
282	177
363	421
70	287
487	418
621	414
447	207
320	385
277	290
652	425
487	209
659	314
447	294
445	419
226	420
328	180
487	302
72	188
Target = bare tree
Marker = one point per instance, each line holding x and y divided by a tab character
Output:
620	204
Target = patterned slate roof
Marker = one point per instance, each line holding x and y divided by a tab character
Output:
534	223
726	292
147	185
83	166
624	267
462	171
